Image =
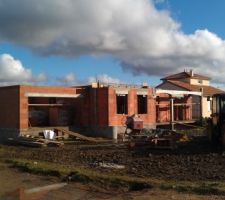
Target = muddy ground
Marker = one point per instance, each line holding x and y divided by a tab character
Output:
196	160
11	180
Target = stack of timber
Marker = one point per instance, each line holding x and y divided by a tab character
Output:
35	142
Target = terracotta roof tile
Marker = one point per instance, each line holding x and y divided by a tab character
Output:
207	90
185	75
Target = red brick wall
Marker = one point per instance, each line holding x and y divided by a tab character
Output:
53	116
102	111
181	112
94	107
120	119
97	107
9	107
102	106
23	124
163	108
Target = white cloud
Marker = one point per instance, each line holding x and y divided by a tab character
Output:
68	79
12	72
143	38
40	77
71	80
159	1
104	78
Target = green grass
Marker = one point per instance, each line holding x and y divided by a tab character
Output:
201	188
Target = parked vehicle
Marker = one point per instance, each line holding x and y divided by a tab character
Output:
216	124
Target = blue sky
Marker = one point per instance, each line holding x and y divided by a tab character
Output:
129	65
200	14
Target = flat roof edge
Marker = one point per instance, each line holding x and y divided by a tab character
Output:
40	94
177	92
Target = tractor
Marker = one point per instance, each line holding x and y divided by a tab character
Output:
216	124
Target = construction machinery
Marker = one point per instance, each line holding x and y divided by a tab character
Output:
216	124
140	137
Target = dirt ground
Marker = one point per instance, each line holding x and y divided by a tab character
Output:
11	180
194	161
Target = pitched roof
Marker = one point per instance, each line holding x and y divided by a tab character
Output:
182	75
207	90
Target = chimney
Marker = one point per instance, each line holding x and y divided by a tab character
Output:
144	85
191	73
94	85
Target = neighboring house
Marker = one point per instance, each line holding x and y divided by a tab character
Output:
190	81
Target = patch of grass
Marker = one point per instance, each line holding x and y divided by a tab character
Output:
34	168
109	180
79	174
12	152
200	188
38	167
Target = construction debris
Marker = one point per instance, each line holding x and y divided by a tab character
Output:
109	165
50	138
49	134
34	142
156	138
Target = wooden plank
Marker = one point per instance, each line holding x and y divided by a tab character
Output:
39	105
77	135
30	143
35	142
51	142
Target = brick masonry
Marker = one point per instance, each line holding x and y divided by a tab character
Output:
96	110
23	103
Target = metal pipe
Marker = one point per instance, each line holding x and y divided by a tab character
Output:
172	113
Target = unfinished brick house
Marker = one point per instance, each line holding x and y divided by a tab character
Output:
97	109
182	108
105	108
25	106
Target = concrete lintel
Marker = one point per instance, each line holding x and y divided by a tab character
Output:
178	96
59	95
142	91
121	91
178	92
